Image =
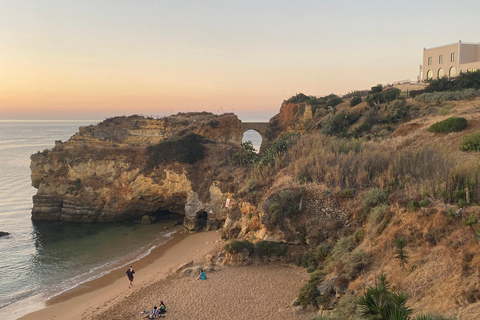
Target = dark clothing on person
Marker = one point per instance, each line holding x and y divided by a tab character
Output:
130	274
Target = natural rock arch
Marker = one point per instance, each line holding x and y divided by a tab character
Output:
260	127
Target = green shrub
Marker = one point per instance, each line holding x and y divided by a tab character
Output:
355	100
246	156
471	142
436	97
269	248
278	147
338	123
358	236
343	246
243	246
414	93
374	197
377	214
308	293
391	94
377	88
414	205
355	263
452	124
424	203
188	149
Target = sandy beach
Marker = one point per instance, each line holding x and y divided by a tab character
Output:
253	292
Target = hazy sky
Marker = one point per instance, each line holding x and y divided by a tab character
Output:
64	59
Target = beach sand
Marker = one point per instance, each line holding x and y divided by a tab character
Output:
253	292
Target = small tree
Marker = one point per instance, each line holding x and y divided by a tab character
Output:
401	243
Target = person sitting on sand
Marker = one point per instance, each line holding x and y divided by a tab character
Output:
202	275
162	309
153	314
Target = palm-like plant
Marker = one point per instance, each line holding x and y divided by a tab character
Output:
379	303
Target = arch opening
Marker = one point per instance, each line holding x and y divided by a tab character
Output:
452	72
202	220
441	73
429	74
254	137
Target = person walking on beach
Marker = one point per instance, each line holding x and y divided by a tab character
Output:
130	273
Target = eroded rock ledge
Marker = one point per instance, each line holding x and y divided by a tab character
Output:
103	173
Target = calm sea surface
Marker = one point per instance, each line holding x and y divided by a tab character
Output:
41	259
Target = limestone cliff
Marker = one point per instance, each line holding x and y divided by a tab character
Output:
104	172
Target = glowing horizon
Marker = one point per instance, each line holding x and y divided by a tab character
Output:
93	59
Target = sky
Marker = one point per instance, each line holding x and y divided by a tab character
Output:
79	60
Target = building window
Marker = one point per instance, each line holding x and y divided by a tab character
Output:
429	74
452	57
452	72
440	58
441	73
429	61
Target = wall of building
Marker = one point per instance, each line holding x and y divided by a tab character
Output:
466	58
468	53
436	65
472	66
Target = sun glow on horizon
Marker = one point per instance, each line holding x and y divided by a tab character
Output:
93	59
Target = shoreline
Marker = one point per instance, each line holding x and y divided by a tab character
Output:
92	297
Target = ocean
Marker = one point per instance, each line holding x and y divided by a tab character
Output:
42	259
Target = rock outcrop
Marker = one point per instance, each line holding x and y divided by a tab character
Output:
108	172
105	173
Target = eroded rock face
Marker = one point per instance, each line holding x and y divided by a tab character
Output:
103	173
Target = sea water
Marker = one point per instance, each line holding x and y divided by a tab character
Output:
41	259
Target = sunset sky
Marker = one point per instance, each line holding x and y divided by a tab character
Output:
63	59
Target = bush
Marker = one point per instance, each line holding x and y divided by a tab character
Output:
269	248
278	147
374	197
355	263
343	246
355	100
377	88
339	123
414	93
243	246
435	97
308	292
246	156
188	149
452	124
347	193
414	205
377	214
471	142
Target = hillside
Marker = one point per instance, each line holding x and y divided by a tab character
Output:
353	186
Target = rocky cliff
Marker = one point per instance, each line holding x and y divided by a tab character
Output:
105	173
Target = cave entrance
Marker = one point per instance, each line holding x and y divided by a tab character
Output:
202	220
165	215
